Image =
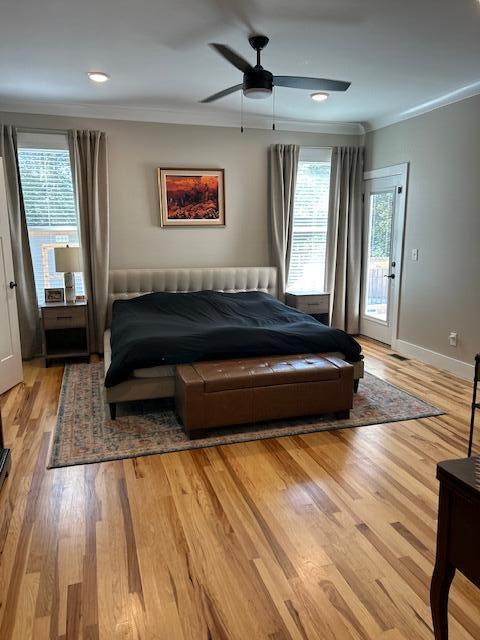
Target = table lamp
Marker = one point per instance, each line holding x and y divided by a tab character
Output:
68	260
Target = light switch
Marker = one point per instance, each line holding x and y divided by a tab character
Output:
415	255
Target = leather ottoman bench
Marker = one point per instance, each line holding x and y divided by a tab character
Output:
229	392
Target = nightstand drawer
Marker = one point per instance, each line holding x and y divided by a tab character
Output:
313	307
309	303
64	318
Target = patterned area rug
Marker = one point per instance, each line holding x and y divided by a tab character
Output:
84	432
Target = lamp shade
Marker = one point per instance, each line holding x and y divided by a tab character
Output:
68	259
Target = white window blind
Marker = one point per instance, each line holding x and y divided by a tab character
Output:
310	222
49	209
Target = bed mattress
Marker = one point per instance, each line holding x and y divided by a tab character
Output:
162	371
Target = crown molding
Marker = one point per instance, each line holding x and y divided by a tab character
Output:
170	116
458	95
229	119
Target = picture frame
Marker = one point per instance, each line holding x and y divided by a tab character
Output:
55	294
191	197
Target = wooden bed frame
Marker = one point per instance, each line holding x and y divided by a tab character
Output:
159	382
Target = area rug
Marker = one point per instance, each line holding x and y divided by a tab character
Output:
84	432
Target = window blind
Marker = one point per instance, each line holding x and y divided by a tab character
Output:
310	225
50	212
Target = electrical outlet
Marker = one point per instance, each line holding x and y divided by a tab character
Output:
452	338
415	255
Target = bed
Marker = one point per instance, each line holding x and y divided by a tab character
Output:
158	380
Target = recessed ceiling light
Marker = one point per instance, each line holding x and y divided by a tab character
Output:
98	76
319	96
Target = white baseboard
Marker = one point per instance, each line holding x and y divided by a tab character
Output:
457	367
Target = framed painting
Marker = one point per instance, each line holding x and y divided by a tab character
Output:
192	197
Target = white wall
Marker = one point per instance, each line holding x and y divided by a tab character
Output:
441	292
136	149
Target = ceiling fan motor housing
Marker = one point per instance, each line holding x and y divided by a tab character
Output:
258	42
257	83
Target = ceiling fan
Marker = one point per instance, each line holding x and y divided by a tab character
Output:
259	83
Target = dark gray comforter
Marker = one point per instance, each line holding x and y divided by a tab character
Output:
171	328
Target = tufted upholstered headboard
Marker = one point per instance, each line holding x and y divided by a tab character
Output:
129	283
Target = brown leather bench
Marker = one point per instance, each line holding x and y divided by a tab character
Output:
227	392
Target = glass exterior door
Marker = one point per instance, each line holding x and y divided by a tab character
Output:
379	261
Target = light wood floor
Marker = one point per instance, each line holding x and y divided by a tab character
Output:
323	536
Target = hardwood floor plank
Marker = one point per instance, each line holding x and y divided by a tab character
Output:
11	594
325	536
74	611
134	579
24	624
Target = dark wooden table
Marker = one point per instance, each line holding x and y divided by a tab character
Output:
458	534
475	404
5	459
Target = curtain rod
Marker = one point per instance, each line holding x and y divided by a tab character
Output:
41	130
65	132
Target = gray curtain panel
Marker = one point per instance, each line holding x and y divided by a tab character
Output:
27	304
344	244
88	154
283	164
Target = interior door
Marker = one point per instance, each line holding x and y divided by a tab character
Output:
10	355
382	254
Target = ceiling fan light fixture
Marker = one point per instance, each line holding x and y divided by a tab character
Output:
257	93
319	96
98	76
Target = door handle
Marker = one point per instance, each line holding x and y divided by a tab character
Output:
12	285
391	276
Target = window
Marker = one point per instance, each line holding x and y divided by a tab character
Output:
50	211
310	222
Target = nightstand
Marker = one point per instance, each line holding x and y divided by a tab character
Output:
315	304
65	330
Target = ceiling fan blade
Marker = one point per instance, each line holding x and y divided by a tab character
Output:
232	57
222	94
236	13
315	84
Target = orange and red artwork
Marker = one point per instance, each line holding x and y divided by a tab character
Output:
191	197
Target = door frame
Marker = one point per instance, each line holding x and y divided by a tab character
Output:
399	172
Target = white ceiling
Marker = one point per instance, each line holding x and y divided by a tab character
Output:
398	54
